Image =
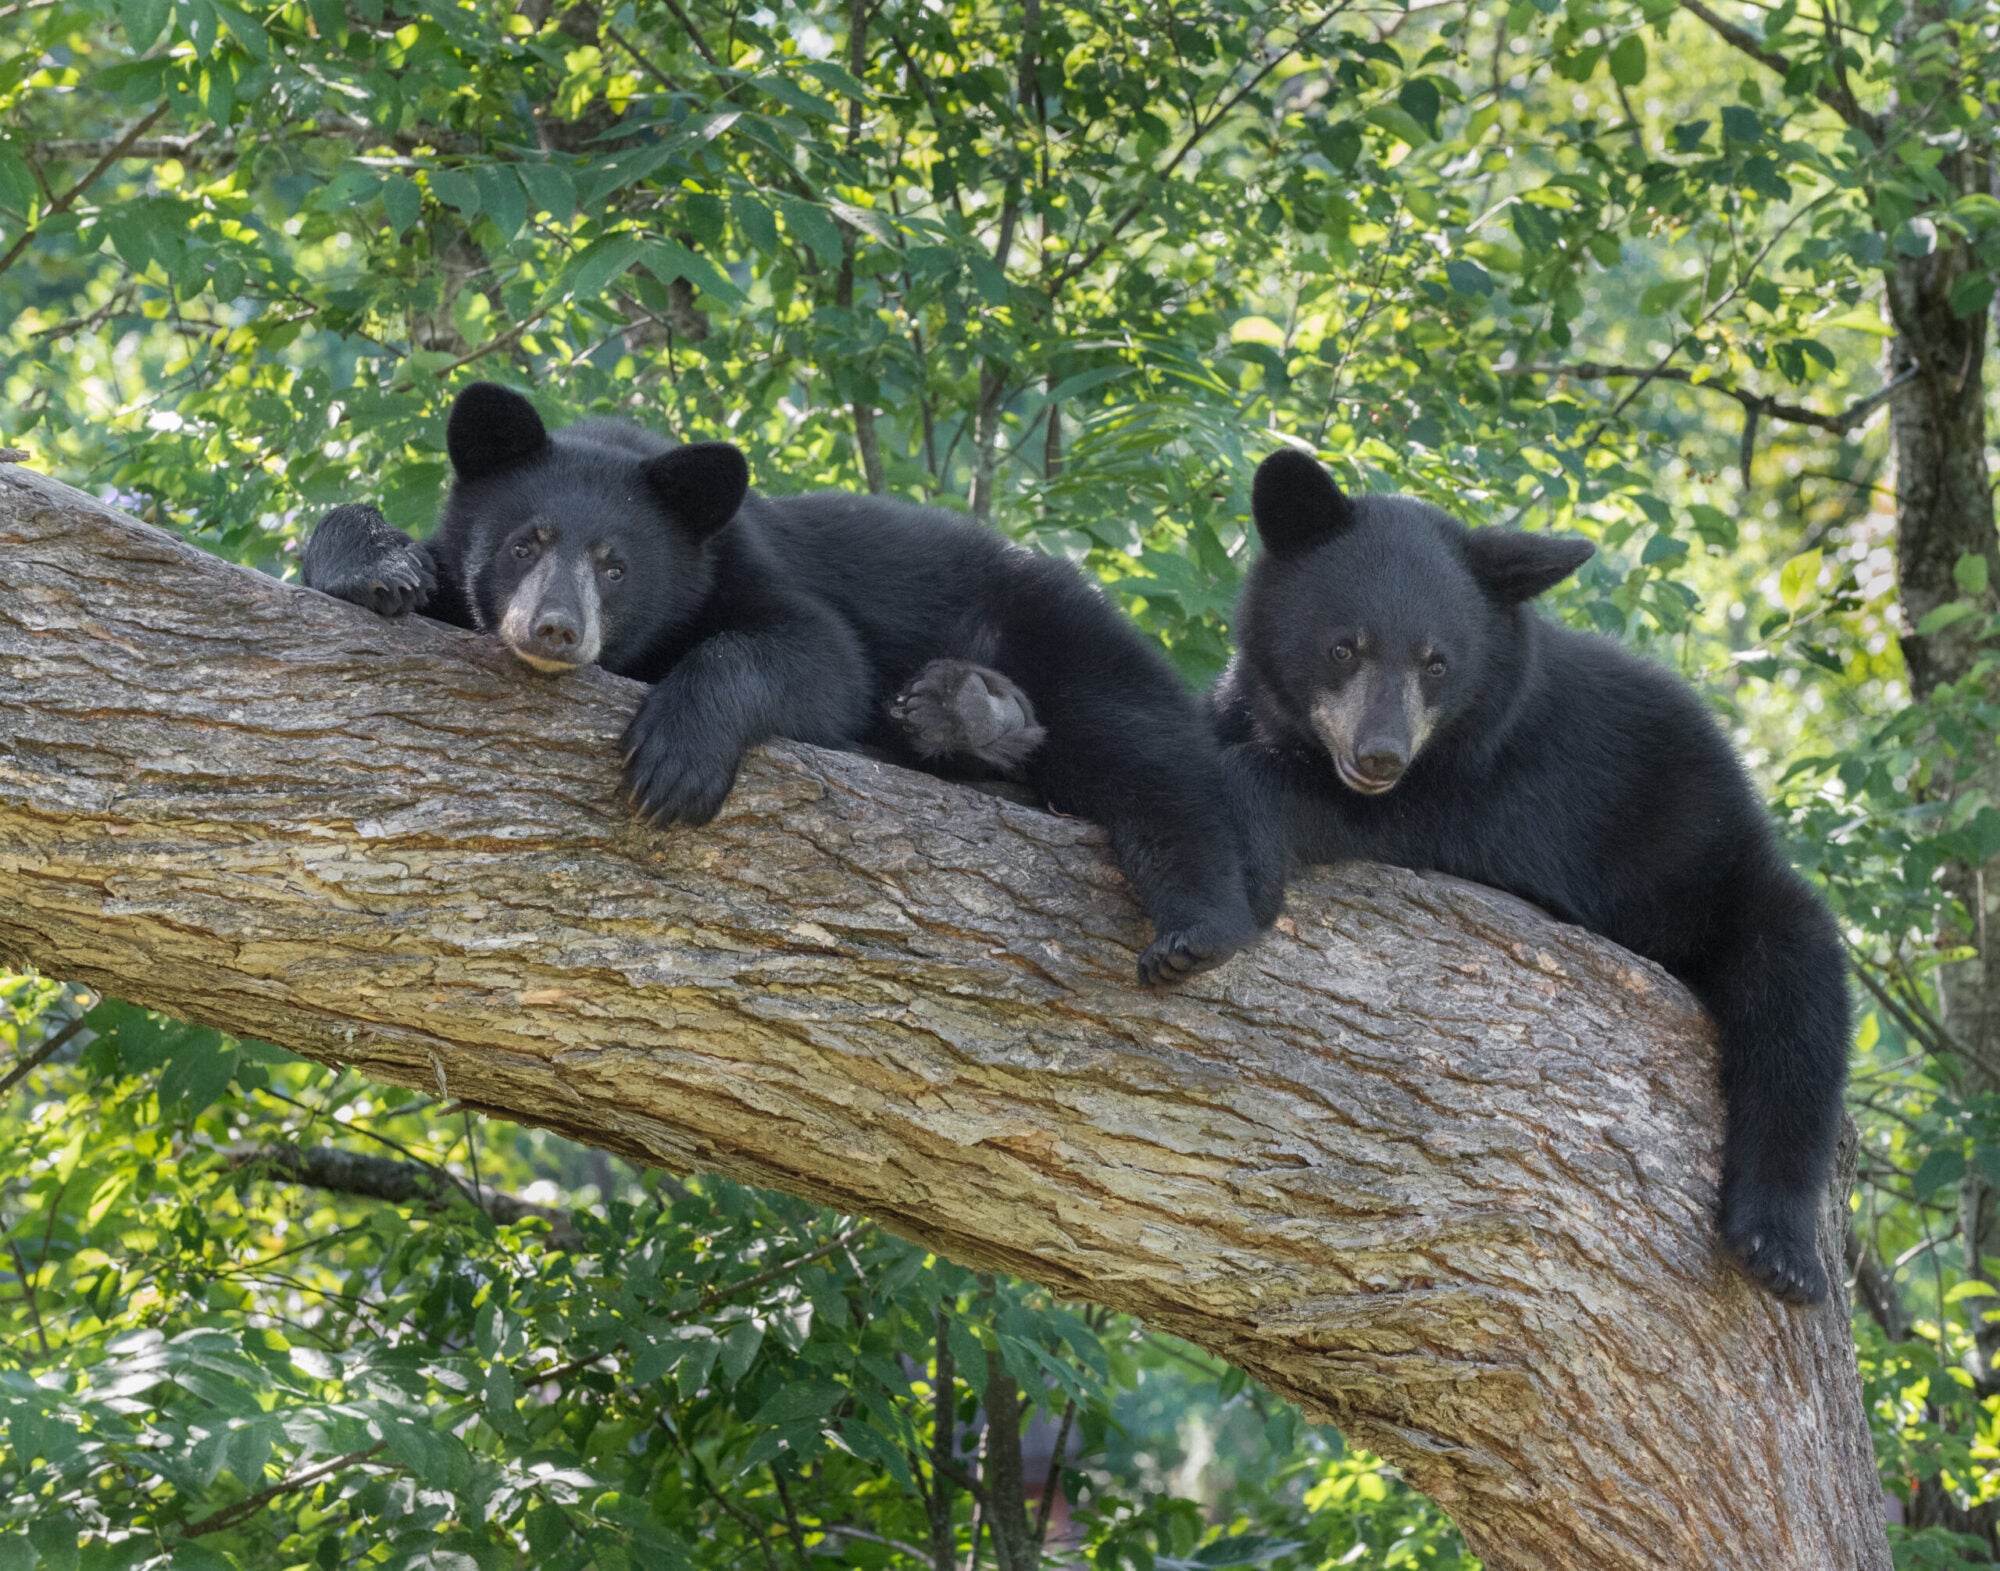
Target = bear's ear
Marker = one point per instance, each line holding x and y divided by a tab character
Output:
492	428
1296	504
702	484
1512	566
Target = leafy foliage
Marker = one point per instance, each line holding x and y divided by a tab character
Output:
1605	265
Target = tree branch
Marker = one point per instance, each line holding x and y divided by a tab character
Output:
1428	1164
63	203
1845	420
1836	95
396	1183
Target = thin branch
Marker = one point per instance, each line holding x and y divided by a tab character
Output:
1201	129
50	1045
1759	403
28	1293
229	1516
791	1518
1836	94
63	203
397	1183
1053	1483
688	27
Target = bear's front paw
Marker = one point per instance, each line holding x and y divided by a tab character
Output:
676	772
970	714
1178	952
1774	1237
357	556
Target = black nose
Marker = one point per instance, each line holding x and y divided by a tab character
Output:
556	630
1381	763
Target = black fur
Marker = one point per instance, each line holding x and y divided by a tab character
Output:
1559	767
1563	769
755	617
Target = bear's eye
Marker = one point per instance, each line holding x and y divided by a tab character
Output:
1436	667
524	549
614	571
1343	650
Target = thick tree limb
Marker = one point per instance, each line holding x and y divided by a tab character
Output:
1429	1164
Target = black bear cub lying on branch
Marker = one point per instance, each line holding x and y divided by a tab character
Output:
807	617
1395	700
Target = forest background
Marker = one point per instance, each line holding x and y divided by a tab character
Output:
1714	290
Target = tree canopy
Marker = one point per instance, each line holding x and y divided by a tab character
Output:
1711	286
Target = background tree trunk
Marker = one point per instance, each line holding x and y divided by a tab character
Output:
1432	1166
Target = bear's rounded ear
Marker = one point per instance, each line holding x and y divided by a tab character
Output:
1296	504
1513	567
492	428
702	485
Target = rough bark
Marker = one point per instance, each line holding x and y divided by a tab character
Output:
1431	1165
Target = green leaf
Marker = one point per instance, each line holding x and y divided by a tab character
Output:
1398	122
739	1350
602	262
813	225
402	202
500	197
551	190
1969	573
1420	98
800	1402
144	21
1938	618
456	188
1971	294
1663	297
1741	124
1468	278
1628	60
1945	1165
1799	577
667	260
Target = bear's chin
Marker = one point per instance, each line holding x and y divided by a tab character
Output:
544	664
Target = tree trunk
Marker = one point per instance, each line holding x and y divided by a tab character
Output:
1429	1164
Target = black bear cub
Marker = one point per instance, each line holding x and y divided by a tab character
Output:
1395	699
809	617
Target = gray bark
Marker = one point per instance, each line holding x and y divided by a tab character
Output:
1434	1167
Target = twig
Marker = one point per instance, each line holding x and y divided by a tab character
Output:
1761	403
62	203
28	1294
229	1516
50	1045
1054	1481
1201	129
1836	95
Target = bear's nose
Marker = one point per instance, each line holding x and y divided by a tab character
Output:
1381	763
556	630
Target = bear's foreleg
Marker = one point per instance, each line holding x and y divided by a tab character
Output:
356	555
798	671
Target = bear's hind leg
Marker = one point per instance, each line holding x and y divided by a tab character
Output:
960	716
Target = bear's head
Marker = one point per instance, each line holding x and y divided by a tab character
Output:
591	545
1376	624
